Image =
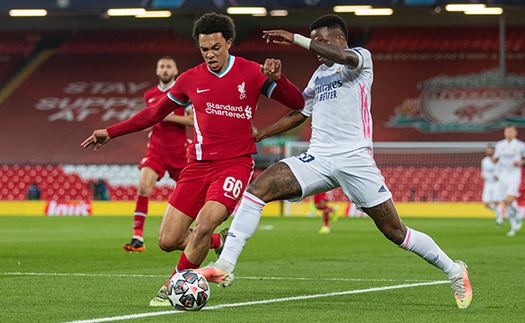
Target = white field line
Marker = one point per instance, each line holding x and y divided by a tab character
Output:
236	277
266	301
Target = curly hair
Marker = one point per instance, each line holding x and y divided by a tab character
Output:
211	23
330	21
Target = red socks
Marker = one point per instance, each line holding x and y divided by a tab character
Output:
183	264
139	217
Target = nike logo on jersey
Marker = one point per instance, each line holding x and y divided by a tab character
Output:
151	100
202	91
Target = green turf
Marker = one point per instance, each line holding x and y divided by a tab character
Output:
89	276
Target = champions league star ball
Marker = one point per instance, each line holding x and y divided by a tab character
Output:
188	291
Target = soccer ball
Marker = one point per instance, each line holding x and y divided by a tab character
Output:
188	291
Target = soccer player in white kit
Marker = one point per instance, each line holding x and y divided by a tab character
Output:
491	190
340	155
510	156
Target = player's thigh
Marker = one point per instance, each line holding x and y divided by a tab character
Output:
277	182
314	175
361	180
211	215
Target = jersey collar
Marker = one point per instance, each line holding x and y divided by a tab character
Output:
231	60
164	89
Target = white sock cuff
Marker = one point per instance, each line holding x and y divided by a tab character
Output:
406	242
254	199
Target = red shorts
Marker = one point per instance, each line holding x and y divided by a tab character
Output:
319	197
223	181
160	163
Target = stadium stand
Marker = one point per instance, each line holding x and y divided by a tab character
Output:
127	41
71	182
443	39
92	80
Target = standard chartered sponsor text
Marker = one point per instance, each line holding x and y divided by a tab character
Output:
228	110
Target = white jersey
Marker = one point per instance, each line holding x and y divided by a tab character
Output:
338	100
507	154
488	170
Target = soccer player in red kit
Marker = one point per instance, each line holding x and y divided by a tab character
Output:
166	149
321	203
224	91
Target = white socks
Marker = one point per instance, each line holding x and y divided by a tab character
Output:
423	245
243	226
499	214
247	219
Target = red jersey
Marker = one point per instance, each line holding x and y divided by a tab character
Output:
166	137
223	105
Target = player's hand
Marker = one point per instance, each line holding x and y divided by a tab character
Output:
281	37
96	140
272	68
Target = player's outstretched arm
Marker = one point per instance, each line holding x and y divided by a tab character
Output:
144	118
289	121
332	52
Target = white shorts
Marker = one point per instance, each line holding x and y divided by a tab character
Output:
356	174
491	192
509	188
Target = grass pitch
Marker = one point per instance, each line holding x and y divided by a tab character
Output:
65	269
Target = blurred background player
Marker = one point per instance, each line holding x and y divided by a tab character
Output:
100	190
320	201
491	191
166	149
33	192
509	155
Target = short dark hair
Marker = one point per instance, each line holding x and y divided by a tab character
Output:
211	23
330	21
167	57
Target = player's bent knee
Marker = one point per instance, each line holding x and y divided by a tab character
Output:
170	244
256	190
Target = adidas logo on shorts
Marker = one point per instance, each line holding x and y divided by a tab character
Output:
382	189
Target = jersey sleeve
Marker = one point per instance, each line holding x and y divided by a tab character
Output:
144	118
287	93
364	57
177	92
308	96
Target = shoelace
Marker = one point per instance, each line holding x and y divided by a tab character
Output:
458	286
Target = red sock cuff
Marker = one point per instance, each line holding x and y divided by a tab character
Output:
184	263
215	241
142	204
